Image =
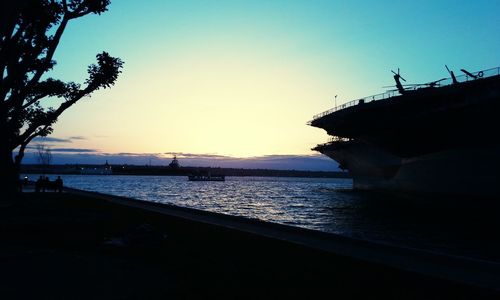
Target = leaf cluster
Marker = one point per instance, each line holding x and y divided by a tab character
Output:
30	31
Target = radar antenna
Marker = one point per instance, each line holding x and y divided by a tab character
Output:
398	79
453	78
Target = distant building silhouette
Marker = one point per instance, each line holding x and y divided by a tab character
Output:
100	170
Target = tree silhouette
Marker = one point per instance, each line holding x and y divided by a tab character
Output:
30	31
43	156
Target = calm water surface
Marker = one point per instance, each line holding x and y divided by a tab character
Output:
305	202
325	204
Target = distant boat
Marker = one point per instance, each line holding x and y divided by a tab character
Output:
174	164
206	178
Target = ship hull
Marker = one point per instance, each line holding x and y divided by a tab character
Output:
431	141
460	172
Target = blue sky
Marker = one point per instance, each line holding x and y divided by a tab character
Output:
241	78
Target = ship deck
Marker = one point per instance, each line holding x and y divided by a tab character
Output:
421	121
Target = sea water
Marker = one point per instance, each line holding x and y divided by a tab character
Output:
324	204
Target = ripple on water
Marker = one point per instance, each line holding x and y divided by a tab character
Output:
316	203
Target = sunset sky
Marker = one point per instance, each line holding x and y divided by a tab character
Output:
242	78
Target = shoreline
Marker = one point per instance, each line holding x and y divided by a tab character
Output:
424	262
182	171
244	252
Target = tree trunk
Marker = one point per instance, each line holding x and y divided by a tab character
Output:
9	175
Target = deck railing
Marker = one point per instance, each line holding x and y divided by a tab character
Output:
448	81
334	139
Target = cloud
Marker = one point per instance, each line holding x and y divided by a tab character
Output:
50	139
135	154
73	150
194	155
34	148
77	138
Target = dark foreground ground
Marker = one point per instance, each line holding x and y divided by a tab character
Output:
68	246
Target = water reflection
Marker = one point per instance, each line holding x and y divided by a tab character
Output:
463	228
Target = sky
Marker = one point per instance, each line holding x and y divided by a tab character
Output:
240	79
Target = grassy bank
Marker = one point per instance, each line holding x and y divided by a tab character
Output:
61	246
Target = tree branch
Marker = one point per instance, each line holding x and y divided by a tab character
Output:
7	47
34	100
53	116
16	100
49	87
50	54
65	6
20	154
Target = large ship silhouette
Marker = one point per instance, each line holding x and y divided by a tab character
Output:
437	138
